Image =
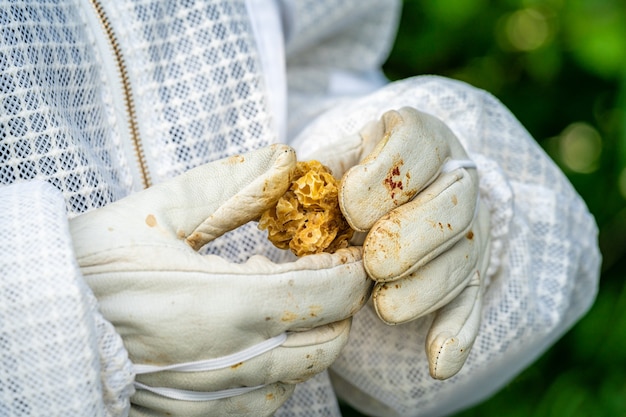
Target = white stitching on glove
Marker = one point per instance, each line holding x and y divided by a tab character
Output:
415	194
172	305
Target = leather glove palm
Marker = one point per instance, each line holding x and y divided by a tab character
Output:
415	194
173	306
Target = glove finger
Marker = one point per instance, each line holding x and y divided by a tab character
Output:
456	325
429	287
410	155
230	193
195	207
261	402
415	233
300	357
453	331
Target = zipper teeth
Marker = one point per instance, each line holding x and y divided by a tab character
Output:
127	93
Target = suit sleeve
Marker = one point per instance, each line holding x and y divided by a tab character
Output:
59	355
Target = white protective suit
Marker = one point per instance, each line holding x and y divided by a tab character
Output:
208	80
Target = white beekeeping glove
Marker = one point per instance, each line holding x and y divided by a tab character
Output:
208	337
427	245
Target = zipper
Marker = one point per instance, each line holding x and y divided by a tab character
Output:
127	94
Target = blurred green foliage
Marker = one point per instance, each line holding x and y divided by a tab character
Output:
560	66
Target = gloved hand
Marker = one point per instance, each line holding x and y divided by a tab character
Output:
198	327
410	186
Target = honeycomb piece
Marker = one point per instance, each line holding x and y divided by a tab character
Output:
307	218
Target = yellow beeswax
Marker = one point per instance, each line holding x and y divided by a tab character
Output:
307	218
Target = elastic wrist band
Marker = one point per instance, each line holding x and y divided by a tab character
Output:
453	164
184	395
207	365
216	363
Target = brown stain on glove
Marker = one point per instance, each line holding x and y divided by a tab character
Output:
151	220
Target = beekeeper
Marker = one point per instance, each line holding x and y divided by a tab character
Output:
141	140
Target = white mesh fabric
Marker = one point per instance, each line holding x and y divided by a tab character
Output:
61	356
58	357
53	120
545	262
312	398
196	78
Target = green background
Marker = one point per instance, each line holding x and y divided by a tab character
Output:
560	66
